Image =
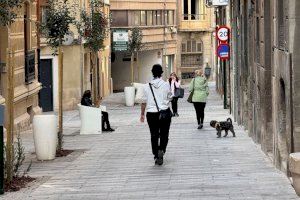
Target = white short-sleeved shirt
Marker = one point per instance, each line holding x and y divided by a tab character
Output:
162	94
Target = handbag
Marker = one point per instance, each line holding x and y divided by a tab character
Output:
163	114
190	98
179	92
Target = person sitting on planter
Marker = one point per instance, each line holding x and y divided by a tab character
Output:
86	100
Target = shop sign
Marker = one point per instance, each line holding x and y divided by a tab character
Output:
120	40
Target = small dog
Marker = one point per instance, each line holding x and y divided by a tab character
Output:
220	126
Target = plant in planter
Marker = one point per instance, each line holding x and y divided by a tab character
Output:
9	10
134	46
18	181
59	19
94	28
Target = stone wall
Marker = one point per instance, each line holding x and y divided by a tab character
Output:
266	75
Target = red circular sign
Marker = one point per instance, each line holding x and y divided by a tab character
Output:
223	33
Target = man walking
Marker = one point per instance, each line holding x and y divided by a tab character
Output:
157	96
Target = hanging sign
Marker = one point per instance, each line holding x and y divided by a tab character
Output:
220	2
223	51
120	40
223	33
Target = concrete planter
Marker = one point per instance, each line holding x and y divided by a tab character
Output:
129	96
91	119
294	165
45	136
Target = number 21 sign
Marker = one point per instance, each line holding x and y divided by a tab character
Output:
223	33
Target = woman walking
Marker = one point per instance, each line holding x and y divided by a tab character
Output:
174	83
200	90
156	100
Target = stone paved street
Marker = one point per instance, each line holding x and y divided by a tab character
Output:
120	165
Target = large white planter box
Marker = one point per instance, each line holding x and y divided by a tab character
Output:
129	96
91	119
45	136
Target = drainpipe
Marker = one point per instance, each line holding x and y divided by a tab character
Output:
164	49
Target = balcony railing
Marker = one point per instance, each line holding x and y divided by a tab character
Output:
29	66
196	17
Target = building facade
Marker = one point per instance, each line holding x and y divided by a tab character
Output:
195	37
78	61
157	21
20	39
264	74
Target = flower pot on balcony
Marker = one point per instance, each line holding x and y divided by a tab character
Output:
45	136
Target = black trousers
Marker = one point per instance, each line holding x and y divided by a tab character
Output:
175	105
199	107
159	130
105	120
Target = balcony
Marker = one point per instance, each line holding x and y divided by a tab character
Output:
29	66
195	22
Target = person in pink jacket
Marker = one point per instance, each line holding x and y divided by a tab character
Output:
174	83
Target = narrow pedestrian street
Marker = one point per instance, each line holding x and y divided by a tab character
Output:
119	165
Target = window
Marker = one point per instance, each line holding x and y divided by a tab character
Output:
119	18
44	14
27	27
281	24
29	61
143	18
257	40
191	46
183	47
159	17
191	54
195	9
154	18
170	17
137	18
149	18
165	17
185	10
191	60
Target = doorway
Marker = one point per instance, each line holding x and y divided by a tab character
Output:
46	79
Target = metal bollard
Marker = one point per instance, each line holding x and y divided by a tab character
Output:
1	150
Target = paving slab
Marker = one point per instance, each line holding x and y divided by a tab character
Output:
120	165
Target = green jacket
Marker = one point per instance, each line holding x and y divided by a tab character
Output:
201	90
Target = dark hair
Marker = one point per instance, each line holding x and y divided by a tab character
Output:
170	79
157	70
87	94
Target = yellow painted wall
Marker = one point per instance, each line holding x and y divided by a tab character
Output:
25	94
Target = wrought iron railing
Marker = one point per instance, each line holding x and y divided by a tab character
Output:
29	66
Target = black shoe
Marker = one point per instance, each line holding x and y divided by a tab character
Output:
200	126
108	130
173	114
176	115
160	159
